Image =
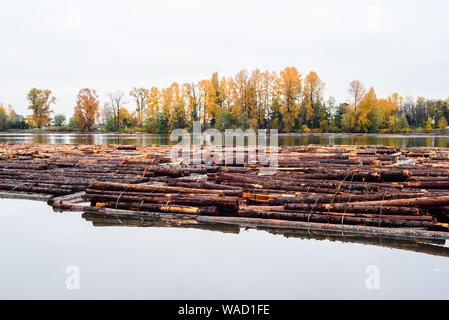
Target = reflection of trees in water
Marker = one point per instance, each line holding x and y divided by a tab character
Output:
442	143
164	139
41	138
137	139
83	139
428	246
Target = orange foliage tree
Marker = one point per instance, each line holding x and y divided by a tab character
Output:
86	109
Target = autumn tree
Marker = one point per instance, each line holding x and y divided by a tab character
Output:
216	84
291	86
177	118
224	119
40	101
263	99
3	118
442	123
153	108
116	101
9	119
127	120
260	87
389	114
140	96
275	102
171	105
191	95
365	112
239	98
346	116
313	99
86	108
429	125
357	93
208	103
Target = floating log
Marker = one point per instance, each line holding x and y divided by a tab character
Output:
380	221
354	207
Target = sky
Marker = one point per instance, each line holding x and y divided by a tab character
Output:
395	46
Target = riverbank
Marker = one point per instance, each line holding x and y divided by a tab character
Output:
435	133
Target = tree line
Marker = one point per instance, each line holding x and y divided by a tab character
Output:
286	101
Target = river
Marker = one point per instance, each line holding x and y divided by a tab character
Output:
402	141
40	250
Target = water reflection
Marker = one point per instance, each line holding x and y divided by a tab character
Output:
163	139
186	263
434	247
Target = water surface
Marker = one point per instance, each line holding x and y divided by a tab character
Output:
150	139
37	245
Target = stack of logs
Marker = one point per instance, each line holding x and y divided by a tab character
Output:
350	185
66	169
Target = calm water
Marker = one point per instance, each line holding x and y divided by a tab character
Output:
37	245
150	139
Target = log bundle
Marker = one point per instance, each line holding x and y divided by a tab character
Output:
65	169
376	186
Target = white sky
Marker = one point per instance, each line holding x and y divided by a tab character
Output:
64	46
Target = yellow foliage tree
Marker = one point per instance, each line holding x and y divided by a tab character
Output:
208	107
291	86
312	98
429	125
442	123
368	106
40	102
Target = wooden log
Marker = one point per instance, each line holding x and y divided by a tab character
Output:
379	221
354	207
164	208
423	202
149	188
166	199
336	198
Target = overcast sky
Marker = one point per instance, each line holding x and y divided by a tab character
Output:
108	45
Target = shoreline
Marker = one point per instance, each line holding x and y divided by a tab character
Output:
342	134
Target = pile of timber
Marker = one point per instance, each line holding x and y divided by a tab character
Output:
376	186
66	169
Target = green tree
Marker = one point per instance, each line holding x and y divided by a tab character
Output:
73	123
3	118
59	120
18	122
224	120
